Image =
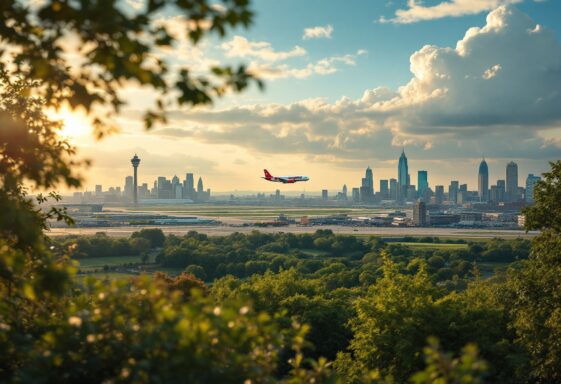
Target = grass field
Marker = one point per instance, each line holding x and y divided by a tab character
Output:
106	276
255	212
432	245
99	262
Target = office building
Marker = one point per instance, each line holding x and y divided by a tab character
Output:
393	189
367	187
324	195
512	181
531	181
483	182
129	185
420	214
98	190
189	186
369	179
411	193
356	195
422	184
453	190
384	189
439	194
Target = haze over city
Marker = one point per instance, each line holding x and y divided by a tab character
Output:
347	90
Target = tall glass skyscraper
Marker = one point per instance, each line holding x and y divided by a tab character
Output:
512	181
369	179
423	183
531	181
483	181
402	174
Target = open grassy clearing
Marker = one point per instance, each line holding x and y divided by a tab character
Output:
432	245
106	276
99	262
256	211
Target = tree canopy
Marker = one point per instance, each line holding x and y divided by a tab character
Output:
85	52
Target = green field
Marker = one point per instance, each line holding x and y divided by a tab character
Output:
100	262
256	212
432	245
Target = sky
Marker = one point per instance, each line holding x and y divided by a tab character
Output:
349	84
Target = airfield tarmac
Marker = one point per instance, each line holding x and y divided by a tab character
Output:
223	230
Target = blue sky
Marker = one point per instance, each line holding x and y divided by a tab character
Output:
376	76
355	26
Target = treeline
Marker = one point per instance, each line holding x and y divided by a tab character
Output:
359	259
101	245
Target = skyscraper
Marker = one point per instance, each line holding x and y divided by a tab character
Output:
200	188
369	179
422	183
384	189
402	174
531	181
420	214
324	194
356	195
135	161
483	181
393	189
189	186
367	187
129	185
439	194
453	190
344	192
512	181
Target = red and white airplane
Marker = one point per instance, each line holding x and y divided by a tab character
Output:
284	179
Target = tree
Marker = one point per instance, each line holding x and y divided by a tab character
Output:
442	368
116	46
154	235
197	271
536	288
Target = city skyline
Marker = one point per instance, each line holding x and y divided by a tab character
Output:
389	188
337	102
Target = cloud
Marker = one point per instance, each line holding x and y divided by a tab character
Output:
497	92
320	32
239	46
324	66
416	12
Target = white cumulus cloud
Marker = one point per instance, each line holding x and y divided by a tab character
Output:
320	32
239	46
416	11
497	92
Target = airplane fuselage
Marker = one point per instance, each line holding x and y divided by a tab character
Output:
284	179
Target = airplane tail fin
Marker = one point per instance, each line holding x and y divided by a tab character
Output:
267	174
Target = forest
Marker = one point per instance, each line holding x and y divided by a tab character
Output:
391	311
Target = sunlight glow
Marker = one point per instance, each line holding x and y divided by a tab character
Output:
74	123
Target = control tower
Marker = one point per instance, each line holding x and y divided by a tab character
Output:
135	161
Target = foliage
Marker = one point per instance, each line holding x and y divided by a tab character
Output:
401	311
137	332
155	236
545	212
197	271
535	289
441	368
32	153
85	52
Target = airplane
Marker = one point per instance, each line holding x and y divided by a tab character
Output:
284	179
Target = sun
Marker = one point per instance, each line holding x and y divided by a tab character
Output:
74	123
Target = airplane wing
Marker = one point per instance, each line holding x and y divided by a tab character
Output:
283	180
